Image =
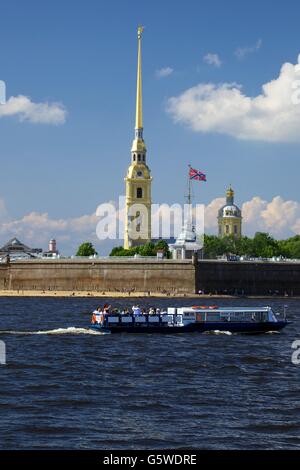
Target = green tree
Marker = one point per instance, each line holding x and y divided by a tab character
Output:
147	250
264	246
86	249
214	246
163	245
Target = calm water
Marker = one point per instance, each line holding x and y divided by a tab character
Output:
63	388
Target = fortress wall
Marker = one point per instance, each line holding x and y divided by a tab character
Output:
106	275
249	278
155	276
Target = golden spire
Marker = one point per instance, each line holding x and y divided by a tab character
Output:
139	104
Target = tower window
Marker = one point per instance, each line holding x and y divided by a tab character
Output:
139	193
235	229
134	157
143	158
139	157
227	228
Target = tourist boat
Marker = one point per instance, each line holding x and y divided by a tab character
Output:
196	319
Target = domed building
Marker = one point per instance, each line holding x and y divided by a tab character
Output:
186	244
230	217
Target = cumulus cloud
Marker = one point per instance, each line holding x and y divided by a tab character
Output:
279	217
27	110
242	52
272	116
36	229
211	212
212	59
164	72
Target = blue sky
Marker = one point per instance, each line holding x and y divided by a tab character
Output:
83	56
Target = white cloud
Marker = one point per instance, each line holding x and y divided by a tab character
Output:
211	213
272	116
278	217
242	52
212	59
27	110
164	72
36	229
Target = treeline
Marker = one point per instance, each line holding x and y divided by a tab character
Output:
262	245
149	249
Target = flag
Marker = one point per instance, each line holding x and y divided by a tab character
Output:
196	175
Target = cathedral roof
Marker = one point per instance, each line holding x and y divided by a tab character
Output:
230	209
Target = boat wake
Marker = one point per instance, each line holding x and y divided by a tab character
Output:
218	332
59	331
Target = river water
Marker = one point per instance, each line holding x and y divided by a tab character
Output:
64	387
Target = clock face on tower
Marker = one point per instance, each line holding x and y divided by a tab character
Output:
139	174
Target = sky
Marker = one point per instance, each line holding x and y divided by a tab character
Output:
220	84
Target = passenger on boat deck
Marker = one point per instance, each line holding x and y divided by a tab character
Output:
94	316
136	310
158	311
151	311
106	309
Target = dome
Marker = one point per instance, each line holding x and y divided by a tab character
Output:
230	211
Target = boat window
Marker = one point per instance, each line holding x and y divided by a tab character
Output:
213	317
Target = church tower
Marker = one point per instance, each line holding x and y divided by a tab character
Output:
138	178
230	217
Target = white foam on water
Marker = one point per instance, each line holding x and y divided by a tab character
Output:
72	330
273	332
219	332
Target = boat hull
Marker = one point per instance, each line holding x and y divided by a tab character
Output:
232	327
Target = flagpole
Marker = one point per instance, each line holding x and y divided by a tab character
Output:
190	217
189	186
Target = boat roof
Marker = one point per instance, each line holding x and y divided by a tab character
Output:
226	309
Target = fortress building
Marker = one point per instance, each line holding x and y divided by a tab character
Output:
138	179
230	217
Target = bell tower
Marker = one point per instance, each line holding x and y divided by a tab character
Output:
230	217
138	179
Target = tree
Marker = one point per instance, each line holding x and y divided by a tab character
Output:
148	249
86	249
163	245
264	246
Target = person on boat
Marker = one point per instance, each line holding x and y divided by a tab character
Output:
94	317
106	309
151	311
99	316
136	310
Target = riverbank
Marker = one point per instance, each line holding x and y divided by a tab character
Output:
105	294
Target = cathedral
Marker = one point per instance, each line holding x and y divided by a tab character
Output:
138	179
230	217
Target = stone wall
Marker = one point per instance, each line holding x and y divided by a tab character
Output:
174	276
248	278
99	275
